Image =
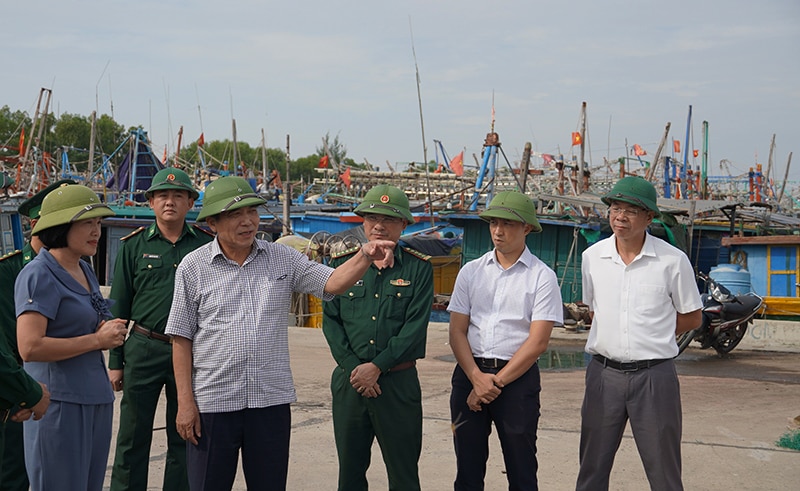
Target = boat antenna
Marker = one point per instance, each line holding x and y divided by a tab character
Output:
264	157
110	98
169	117
97	85
235	162
491	130
421	123
199	113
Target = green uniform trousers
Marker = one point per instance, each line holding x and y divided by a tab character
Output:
13	476
394	418
148	368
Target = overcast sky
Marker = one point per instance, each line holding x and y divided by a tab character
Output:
307	68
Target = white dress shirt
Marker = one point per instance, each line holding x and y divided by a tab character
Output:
502	303
636	305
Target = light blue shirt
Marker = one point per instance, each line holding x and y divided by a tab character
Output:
44	286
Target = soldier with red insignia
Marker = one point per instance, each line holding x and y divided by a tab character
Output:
144	278
376	331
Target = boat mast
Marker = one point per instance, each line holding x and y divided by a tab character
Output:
91	143
582	162
704	168
525	165
178	148
765	183
235	162
37	119
654	166
264	158
685	165
287	196
785	178
421	125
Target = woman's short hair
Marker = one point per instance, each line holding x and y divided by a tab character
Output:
55	237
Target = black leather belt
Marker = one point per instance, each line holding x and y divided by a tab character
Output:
403	366
629	366
4	414
151	334
490	362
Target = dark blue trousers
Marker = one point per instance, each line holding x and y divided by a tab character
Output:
261	434
515	414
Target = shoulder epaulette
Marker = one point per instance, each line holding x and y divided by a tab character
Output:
10	254
138	230
417	254
346	252
201	229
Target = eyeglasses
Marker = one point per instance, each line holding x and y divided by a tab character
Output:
373	218
628	212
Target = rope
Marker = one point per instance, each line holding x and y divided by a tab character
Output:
739	257
569	256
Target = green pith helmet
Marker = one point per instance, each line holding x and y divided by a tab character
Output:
67	204
385	200
227	194
31	206
512	205
171	178
636	191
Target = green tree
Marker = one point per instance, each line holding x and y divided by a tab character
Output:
303	168
10	125
336	150
108	134
73	130
216	153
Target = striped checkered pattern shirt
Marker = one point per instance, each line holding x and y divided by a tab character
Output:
237	318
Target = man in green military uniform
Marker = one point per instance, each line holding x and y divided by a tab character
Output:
376	331
17	388
144	276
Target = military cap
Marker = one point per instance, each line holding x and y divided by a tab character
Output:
636	191
171	178
227	194
512	205
31	206
68	204
385	200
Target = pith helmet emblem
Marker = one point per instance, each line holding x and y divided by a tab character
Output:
385	198
171	177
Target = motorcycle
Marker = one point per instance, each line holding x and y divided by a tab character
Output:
725	318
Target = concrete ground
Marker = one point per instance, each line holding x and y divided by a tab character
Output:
734	410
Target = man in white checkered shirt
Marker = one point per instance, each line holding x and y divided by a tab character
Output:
229	322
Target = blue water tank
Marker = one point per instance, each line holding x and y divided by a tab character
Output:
732	277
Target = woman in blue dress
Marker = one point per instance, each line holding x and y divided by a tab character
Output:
63	325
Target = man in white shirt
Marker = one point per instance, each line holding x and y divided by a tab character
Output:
502	311
641	292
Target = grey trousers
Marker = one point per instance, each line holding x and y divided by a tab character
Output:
651	400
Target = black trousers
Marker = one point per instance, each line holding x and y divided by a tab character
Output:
515	414
261	434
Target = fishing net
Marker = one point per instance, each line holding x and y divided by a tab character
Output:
790	439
